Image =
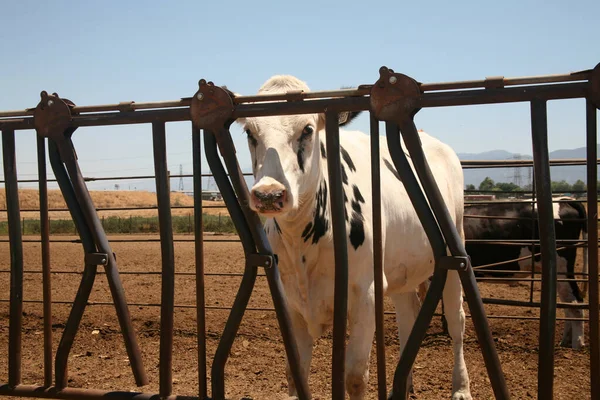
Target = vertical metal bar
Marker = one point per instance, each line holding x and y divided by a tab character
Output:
199	249
378	258
340	299
168	258
16	258
539	131
259	237
592	203
46	276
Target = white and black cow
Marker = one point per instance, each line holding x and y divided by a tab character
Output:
569	223
291	188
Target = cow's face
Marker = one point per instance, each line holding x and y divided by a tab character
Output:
285	155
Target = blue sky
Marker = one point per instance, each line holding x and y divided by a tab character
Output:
112	51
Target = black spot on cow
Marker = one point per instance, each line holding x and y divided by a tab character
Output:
357	222
303	259
347	159
300	156
344	176
323	151
320	224
392	169
357	195
277	226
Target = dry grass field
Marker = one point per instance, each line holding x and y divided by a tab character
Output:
29	200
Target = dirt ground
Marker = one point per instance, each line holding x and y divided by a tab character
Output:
256	366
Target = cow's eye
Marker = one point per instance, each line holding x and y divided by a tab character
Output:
307	131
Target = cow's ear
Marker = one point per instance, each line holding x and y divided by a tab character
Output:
347	116
344	118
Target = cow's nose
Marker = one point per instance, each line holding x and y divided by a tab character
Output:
269	200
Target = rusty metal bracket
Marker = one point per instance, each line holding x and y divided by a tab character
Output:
595	86
394	97
52	116
455	263
212	107
96	259
261	260
494	82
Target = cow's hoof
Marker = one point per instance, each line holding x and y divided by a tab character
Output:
462	395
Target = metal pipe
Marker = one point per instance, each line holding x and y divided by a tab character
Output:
378	258
592	228
539	133
227	149
340	301
167	256
46	269
295	96
517	303
16	258
467	164
42	392
199	260
456	247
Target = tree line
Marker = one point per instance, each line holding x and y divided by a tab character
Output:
488	185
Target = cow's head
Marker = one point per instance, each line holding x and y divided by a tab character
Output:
286	153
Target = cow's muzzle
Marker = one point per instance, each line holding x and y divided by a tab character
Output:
271	201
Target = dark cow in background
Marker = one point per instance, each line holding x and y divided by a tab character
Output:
569	223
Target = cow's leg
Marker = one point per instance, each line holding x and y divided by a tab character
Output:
304	342
361	327
573	332
407	308
455	315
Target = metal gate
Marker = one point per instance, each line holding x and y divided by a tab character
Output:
395	99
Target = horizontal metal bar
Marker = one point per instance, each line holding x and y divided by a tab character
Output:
126	241
434	99
76	393
481	164
58	272
527	80
534	304
295	96
467	164
121	178
271	309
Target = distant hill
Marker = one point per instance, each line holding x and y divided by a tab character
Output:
568	173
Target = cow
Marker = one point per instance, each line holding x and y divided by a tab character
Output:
292	191
569	223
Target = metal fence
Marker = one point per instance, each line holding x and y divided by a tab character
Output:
394	99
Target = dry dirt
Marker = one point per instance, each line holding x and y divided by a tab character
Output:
256	365
29	200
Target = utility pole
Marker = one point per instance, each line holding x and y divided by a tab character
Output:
181	177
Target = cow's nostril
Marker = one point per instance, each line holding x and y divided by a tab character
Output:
270	200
